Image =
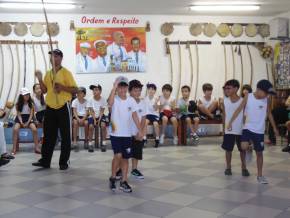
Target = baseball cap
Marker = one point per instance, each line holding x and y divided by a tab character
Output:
82	89
24	91
135	84
122	81
97	41
56	52
98	86
266	86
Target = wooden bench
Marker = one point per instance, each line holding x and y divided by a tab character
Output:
183	129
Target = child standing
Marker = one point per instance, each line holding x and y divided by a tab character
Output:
207	104
152	110
123	109
167	106
257	108
135	89
39	103
24	119
188	112
96	108
231	137
80	114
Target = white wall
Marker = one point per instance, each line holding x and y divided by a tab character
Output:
211	56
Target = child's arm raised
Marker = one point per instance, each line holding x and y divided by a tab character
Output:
237	112
112	94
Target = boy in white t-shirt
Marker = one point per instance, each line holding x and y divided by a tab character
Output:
152	111
256	108
123	109
96	107
80	115
230	103
208	104
188	112
135	89
167	106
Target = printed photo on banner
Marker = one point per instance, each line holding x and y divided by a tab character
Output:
109	50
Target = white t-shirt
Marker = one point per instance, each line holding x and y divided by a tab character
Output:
141	112
121	115
150	106
26	109
2	107
230	108
206	102
37	105
256	112
81	108
166	102
97	105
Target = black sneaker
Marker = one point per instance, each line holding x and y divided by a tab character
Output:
137	174
125	187
119	174
103	148
7	156
245	172
228	172
86	145
112	184
156	143
286	149
195	139
91	149
63	167
4	162
40	164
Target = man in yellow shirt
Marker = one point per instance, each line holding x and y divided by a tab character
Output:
59	89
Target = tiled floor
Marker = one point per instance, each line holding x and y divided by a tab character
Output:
180	182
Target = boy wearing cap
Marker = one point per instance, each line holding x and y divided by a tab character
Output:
102	61
152	111
123	109
84	61
80	114
256	108
230	103
135	89
96	107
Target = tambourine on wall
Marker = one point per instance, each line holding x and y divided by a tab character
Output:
21	28
223	29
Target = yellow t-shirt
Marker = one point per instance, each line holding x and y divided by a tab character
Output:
64	77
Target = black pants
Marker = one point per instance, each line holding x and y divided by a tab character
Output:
54	120
280	115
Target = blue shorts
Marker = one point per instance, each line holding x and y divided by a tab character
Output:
257	139
122	145
104	119
229	142
152	118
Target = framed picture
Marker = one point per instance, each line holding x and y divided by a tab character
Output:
109	50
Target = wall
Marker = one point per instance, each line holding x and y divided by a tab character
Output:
211	56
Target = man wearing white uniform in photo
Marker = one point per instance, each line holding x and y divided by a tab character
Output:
102	61
84	61
4	156
138	56
117	49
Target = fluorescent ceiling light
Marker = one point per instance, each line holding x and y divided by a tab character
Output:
219	7
226	3
31	5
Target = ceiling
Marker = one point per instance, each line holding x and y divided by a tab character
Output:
159	7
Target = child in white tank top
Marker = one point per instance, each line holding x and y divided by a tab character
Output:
257	108
230	104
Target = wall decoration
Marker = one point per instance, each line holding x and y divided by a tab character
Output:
237	30
108	50
282	65
264	30
166	29
251	30
209	29
37	29
5	29
223	30
195	29
20	29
